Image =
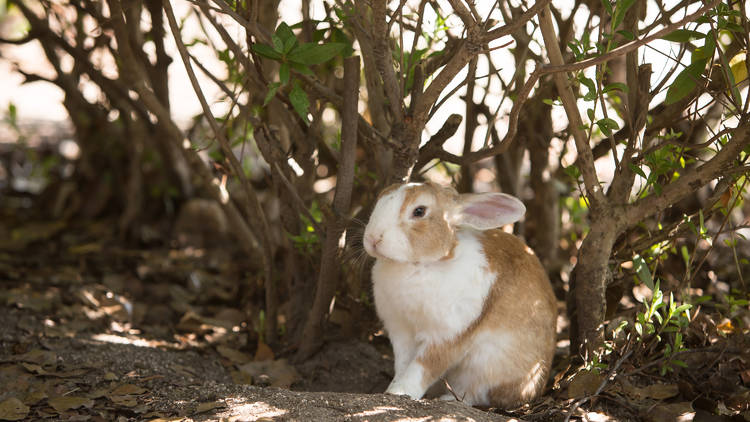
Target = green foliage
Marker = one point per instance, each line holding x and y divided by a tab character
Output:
293	55
659	324
685	81
308	241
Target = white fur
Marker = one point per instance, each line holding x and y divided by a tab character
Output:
425	304
392	242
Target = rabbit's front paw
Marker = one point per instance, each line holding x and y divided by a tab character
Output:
401	389
409	383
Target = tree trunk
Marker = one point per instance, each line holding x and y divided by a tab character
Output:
586	304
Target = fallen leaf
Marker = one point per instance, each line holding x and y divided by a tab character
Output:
651	392
241	378
64	403
658	391
678	412
233	355
127	389
38	356
584	384
277	373
34	397
96	394
127	401
263	352
13	409
207	406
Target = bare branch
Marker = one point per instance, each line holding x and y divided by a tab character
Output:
517	23
328	276
585	157
383	60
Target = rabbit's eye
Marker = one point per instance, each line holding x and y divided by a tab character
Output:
419	211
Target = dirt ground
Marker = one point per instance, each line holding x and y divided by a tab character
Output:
117	378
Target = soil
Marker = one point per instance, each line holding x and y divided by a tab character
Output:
193	384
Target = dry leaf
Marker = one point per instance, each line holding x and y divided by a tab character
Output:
34	397
234	355
277	373
679	412
241	378
38	356
659	391
127	389
207	406
64	403
127	401
584	384
263	352
13	409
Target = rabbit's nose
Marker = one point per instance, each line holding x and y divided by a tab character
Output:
372	241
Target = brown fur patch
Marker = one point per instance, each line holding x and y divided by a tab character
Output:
431	236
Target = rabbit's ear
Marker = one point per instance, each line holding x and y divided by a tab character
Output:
488	210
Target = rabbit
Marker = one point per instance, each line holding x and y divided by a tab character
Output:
459	298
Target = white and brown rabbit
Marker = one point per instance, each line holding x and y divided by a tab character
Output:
459	298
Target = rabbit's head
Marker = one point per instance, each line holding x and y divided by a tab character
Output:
417	222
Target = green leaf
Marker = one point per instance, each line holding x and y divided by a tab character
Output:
272	88
589	83
278	45
678	310
590	113
266	51
289	44
284	73
607	125
311	54
12	114
616	86
683	35
302	69
621	8
284	32
706	52
685	82
637	170
300	102
607	6
626	34
679	363
644	274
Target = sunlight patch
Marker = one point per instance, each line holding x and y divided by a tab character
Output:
111	338
379	410
257	410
